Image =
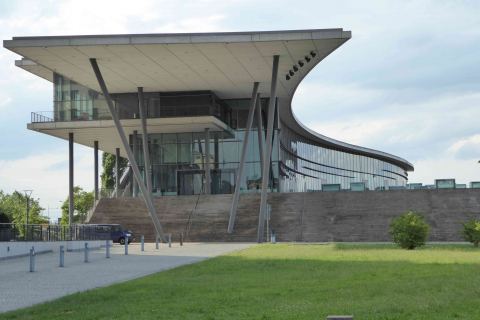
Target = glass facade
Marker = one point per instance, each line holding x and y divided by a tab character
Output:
179	160
306	166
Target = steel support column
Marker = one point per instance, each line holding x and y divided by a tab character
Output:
206	168
135	156
146	195
146	151
236	194
258	110
267	151
95	160
117	172
70	179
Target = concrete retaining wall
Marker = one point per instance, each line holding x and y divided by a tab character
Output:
22	248
311	217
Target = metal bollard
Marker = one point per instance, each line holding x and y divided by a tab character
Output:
85	254
169	240
156	242
142	242
61	263
32	259
181	239
273	237
107	249
126	245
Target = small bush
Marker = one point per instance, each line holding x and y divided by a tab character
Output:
409	230
471	232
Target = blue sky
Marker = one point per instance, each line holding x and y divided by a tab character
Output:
408	82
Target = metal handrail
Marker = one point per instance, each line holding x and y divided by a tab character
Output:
48	232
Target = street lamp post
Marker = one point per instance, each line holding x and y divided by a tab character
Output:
28	193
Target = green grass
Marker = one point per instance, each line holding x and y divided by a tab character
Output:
288	281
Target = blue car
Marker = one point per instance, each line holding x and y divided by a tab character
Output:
114	232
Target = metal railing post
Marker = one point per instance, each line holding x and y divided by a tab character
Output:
107	249
169	240
156	242
142	242
85	258
181	239
61	263
126	245
32	259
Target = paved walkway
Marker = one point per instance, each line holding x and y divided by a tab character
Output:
20	288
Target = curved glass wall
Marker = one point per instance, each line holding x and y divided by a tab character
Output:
305	166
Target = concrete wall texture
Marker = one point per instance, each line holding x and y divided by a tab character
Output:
309	217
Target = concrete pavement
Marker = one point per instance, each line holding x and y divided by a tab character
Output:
19	288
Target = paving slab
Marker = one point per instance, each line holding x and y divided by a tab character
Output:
20	288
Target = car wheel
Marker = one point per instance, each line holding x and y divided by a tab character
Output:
122	241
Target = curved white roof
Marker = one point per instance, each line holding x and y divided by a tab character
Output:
225	63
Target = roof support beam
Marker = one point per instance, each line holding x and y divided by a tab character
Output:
236	194
267	151
146	152
206	167
136	172
260	130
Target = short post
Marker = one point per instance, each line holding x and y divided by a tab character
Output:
273	237
126	245
169	240
32	259
142	243
156	242
61	263
85	253
181	239
107	249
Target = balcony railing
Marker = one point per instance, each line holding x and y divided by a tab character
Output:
42	116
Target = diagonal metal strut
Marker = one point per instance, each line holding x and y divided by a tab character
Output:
136	172
236	195
267	151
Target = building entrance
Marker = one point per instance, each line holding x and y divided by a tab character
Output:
190	182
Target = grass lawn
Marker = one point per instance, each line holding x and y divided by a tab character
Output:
292	281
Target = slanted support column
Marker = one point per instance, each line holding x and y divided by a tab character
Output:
208	177
117	172
267	151
146	152
258	111
95	160
135	156
136	172
70	179
238	182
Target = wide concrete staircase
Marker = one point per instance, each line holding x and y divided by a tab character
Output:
198	218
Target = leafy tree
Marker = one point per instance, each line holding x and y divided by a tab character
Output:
471	231
409	230
108	173
14	208
82	203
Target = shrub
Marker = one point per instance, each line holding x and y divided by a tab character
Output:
471	231
409	230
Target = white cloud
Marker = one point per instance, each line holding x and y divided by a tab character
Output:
463	171
467	148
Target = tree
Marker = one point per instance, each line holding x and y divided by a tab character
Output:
14	208
82	203
471	231
409	230
108	173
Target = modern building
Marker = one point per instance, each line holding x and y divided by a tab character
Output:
210	107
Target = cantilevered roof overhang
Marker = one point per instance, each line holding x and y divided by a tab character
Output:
225	63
